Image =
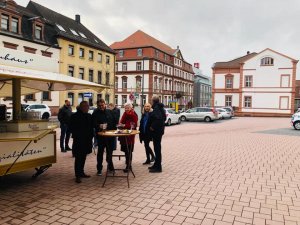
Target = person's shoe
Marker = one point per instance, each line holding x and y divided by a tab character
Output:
68	148
147	162
99	173
155	170
62	150
78	180
151	167
85	176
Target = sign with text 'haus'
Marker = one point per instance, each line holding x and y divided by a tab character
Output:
16	58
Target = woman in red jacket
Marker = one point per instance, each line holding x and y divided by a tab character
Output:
129	121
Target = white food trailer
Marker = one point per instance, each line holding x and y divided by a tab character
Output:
27	143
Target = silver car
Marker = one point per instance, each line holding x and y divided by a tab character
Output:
200	113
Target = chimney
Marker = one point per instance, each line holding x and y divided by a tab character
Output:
248	52
77	18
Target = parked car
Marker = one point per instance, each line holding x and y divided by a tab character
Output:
200	113
42	108
229	109
295	121
172	117
223	113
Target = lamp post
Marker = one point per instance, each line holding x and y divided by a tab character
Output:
143	77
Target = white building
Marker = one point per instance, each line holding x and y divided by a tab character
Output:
257	84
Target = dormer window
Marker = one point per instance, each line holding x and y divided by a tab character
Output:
38	32
267	61
4	22
121	53
15	25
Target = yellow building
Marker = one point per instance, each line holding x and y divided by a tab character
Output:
83	55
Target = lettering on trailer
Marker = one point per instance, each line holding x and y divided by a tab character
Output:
8	57
16	154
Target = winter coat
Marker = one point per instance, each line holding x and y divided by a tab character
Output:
157	120
126	119
64	114
144	134
104	116
81	128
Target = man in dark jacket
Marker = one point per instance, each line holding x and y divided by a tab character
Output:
81	127
157	128
64	115
117	113
104	116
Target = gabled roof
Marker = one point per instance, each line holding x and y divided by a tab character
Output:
235	63
88	38
140	39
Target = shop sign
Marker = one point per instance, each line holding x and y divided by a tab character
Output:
16	58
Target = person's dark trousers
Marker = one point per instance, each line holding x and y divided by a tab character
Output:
64	136
157	150
128	159
148	150
79	164
105	143
114	143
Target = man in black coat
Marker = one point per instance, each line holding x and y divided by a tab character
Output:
81	127
104	116
64	115
117	113
157	128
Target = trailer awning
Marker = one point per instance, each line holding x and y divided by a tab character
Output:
33	81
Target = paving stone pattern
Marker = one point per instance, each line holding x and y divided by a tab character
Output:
220	173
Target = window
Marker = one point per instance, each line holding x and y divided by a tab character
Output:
29	97
285	80
116	67
38	32
99	58
160	68
155	66
81	73
155	83
284	102
228	81
170	71
166	57
46	95
60	27
140	52
124	82
107	59
99	77
99	96
116	99
157	53
15	25
248	81
71	97
116	82
91	75
82	35
71	50
107	78
247	101
267	61
80	97
4	22
107	98
138	66
228	100
121	53
91	55
124	66
166	84
138	81
124	99
74	32
166	69
81	52
71	71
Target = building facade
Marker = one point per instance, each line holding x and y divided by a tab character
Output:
297	95
257	84
202	89
146	67
82	55
24	34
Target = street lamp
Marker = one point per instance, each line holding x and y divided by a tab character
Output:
143	77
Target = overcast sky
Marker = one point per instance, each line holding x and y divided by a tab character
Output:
206	31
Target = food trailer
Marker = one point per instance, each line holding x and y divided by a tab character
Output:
27	142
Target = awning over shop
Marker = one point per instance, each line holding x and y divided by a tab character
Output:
34	81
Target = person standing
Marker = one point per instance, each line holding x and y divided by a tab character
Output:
81	128
157	128
64	115
102	116
144	134
116	111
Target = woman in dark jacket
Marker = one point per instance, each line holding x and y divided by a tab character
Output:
82	133
129	121
145	133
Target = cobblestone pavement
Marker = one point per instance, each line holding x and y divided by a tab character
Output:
239	171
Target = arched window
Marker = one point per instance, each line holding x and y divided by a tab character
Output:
267	61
